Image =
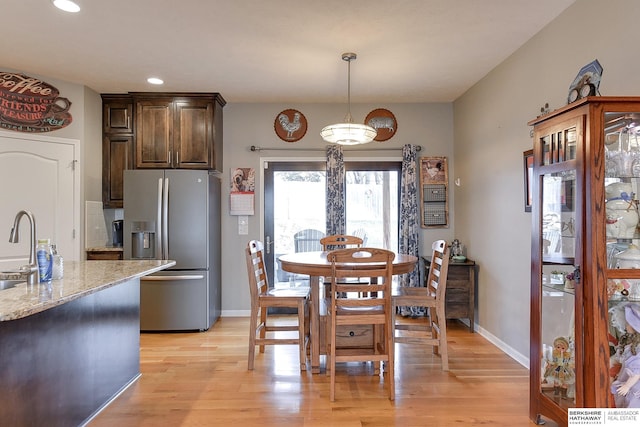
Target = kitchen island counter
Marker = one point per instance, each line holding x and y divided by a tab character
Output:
70	348
80	278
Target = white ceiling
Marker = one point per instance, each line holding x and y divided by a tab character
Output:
273	50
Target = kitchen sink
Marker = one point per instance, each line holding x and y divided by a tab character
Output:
9	283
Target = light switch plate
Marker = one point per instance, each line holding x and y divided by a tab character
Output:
243	225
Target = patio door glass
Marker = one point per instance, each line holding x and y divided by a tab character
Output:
294	213
295	220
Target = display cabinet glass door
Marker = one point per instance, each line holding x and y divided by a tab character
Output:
621	188
559	272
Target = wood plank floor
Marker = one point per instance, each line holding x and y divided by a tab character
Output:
201	379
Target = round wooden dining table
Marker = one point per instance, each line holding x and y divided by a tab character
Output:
315	265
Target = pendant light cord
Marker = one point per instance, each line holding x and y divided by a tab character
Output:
349	58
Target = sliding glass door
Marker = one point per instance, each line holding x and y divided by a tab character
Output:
295	209
294	213
373	200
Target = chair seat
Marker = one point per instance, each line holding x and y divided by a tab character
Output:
407	296
289	292
375	309
360	310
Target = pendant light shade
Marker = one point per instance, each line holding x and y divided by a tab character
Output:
348	133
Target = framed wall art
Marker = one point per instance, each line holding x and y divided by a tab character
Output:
434	180
527	157
290	125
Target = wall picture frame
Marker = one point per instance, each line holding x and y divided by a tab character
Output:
434	197
527	158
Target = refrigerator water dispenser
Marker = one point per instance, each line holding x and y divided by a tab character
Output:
143	240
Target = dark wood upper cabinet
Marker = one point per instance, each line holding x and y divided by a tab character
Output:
178	131
117	146
117	114
154	127
149	130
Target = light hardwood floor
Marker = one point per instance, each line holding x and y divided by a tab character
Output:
201	379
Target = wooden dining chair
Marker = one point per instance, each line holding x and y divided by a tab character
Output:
361	233
263	297
348	306
432	296
307	240
340	241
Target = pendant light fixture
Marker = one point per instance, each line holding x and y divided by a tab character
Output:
348	133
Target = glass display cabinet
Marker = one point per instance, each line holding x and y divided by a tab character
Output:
585	263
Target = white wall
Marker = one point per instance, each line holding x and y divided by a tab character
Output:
491	133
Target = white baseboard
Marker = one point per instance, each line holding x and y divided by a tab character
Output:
510	351
235	313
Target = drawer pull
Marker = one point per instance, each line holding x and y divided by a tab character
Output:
351	333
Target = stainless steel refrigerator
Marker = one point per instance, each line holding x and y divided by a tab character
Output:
175	214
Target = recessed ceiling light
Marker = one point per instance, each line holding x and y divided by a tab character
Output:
155	81
66	5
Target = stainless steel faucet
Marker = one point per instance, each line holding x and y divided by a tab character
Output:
30	270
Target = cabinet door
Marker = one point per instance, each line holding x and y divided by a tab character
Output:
556	301
621	186
558	335
116	157
117	115
154	119
193	134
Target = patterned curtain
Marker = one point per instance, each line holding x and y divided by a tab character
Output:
409	215
336	212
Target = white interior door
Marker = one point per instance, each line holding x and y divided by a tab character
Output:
39	174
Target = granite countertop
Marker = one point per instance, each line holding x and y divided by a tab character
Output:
80	278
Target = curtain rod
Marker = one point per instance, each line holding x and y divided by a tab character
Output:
256	148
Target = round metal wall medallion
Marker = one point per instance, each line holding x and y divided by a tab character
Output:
384	122
290	125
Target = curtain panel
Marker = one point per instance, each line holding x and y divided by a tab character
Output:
409	243
336	205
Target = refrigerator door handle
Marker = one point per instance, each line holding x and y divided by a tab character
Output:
167	278
165	220
159	230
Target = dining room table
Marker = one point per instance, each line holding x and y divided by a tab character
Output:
316	266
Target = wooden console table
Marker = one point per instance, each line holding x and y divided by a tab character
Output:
461	289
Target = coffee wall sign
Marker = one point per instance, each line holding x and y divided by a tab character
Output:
31	105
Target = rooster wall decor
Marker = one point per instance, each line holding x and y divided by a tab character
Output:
290	125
